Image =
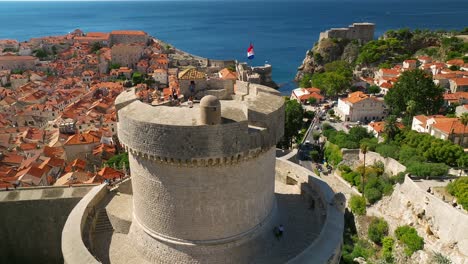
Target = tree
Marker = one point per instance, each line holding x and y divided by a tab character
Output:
418	86
312	100
373	89
357	205
137	78
114	66
363	148
378	229
96	47
390	127
292	122
332	83
40	53
306	81
464	121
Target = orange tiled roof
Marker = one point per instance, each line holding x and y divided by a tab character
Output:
450	126
128	32
226	74
110	173
461	81
85	138
380	126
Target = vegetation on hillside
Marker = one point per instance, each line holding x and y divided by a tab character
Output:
292	123
459	189
410	239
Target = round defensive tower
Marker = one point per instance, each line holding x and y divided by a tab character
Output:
203	178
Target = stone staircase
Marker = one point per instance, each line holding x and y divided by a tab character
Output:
103	223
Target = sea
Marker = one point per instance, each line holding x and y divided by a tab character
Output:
281	31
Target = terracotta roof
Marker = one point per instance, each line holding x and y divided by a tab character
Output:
85	138
77	164
460	81
355	97
110	173
380	126
452	126
311	95
457	62
12	158
23	58
226	74
128	32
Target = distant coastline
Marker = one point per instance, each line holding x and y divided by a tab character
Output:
223	30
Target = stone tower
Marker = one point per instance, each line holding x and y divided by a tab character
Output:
203	177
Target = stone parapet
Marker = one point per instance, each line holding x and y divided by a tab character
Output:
327	247
73	247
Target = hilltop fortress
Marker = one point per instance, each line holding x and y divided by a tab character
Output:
358	31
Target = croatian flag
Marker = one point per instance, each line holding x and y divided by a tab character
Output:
250	52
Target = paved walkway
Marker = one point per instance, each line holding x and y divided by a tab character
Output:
301	224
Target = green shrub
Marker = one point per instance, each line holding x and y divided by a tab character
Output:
459	189
344	168
438	258
387	248
333	154
314	155
119	161
357	205
425	169
410	238
378	229
388	150
373	195
352	177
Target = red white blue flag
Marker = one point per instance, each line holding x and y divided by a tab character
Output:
250	52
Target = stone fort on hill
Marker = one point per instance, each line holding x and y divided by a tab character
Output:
358	31
206	187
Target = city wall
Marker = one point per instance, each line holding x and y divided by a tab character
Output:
32	222
438	222
327	247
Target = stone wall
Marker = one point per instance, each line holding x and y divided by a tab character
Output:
327	247
18	62
79	227
444	227
32	221
199	203
204	86
392	166
358	31
127	55
128	38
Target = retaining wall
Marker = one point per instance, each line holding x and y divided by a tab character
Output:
391	166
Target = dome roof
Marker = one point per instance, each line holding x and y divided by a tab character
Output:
210	101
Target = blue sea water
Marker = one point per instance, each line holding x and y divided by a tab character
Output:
281	31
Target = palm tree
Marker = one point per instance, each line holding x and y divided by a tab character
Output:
364	149
390	127
464	121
